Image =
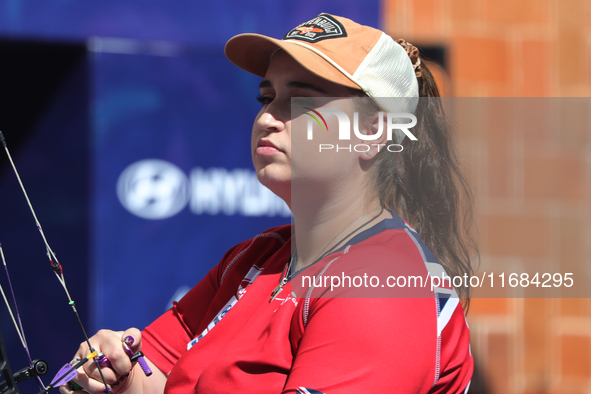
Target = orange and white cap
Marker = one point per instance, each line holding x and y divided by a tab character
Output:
341	51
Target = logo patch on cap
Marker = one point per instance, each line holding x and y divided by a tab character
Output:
322	27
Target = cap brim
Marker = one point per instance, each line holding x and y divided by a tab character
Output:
252	53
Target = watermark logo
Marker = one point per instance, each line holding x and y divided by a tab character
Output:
392	122
316	119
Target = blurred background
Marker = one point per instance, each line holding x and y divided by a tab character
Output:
131	130
532	183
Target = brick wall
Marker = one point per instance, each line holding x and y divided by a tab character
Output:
532	182
503	48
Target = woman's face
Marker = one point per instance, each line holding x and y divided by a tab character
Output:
272	138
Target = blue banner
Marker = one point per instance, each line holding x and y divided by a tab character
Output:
206	22
174	185
139	163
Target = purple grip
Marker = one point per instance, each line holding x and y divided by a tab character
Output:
103	361
139	356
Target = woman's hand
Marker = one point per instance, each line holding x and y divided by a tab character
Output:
119	373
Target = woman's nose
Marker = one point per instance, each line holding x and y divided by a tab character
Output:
270	122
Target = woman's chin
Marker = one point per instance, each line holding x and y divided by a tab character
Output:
279	182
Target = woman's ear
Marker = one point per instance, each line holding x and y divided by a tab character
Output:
376	128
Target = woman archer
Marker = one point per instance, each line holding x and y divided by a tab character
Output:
249	326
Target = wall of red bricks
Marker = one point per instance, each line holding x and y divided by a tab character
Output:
532	184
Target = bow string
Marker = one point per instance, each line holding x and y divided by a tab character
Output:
67	372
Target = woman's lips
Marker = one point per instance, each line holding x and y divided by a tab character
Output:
267	148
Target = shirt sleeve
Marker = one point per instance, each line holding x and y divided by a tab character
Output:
354	345
166	339
455	358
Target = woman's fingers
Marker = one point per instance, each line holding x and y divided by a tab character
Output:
110	344
120	363
133	337
87	383
64	389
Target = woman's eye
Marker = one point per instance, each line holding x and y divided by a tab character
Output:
306	101
264	100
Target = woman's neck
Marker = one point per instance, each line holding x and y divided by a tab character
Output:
320	227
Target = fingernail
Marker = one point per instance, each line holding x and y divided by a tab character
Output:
129	340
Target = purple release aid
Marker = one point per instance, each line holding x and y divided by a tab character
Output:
138	356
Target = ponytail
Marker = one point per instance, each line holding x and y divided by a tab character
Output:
424	185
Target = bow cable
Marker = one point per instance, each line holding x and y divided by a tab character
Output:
19	327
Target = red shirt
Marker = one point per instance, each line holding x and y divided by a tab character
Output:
310	344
